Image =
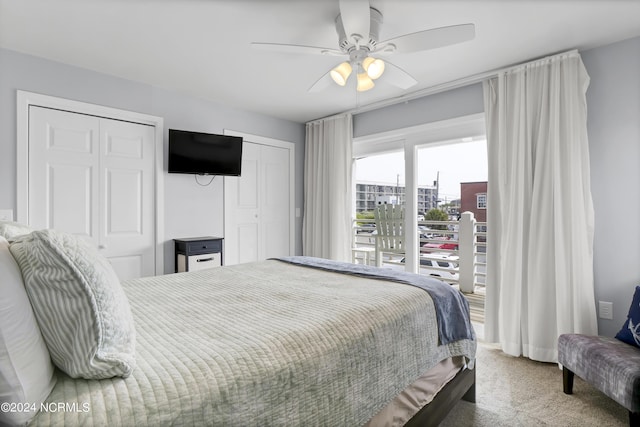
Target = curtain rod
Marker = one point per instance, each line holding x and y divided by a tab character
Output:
333	116
454	84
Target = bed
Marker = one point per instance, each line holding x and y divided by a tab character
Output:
273	343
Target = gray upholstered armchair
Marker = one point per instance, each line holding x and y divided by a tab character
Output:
612	365
608	364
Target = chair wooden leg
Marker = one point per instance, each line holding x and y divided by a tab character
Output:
567	380
634	419
378	257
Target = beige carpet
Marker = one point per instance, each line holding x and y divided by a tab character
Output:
513	391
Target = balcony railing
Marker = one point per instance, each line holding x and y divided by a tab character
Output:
453	251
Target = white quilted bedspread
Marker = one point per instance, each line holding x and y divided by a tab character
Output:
262	344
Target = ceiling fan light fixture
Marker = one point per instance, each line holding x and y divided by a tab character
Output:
341	73
364	82
373	66
358	28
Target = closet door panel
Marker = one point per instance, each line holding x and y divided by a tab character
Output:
127	187
242	209
63	171
274	207
124	202
69	204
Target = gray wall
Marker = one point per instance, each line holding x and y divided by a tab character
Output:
613	101
459	102
190	210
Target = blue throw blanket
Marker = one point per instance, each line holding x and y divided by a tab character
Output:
452	309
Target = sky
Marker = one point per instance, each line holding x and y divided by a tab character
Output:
461	162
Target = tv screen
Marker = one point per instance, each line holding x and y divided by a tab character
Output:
204	153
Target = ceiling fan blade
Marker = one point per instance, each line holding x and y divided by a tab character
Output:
297	49
429	39
396	76
322	83
355	18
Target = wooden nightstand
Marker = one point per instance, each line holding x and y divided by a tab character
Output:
198	253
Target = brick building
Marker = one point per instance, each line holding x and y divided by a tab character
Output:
473	198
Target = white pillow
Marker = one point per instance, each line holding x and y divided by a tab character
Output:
11	230
80	306
26	371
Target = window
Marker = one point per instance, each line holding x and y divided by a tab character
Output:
482	201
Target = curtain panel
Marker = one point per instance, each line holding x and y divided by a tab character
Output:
326	228
540	218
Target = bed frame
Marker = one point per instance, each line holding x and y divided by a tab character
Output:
462	386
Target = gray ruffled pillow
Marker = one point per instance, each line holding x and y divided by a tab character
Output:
80	306
12	230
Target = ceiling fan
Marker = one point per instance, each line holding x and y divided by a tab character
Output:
358	27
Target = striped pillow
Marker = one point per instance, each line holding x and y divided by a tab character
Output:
79	304
26	371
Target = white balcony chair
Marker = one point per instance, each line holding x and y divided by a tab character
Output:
390	231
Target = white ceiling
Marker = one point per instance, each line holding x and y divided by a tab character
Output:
202	47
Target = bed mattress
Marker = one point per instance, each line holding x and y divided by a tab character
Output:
262	344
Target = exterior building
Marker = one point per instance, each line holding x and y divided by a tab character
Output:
369	194
473	198
452	208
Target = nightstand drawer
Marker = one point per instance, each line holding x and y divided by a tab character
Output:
204	246
199	262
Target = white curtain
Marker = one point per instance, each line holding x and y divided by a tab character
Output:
540	215
326	229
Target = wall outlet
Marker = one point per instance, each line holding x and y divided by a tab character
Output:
6	214
605	309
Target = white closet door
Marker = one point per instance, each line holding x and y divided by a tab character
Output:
127	230
95	177
242	204
257	206
274	202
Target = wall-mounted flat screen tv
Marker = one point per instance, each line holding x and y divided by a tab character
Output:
204	153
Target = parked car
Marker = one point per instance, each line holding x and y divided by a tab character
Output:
434	247
425	232
443	266
366	228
